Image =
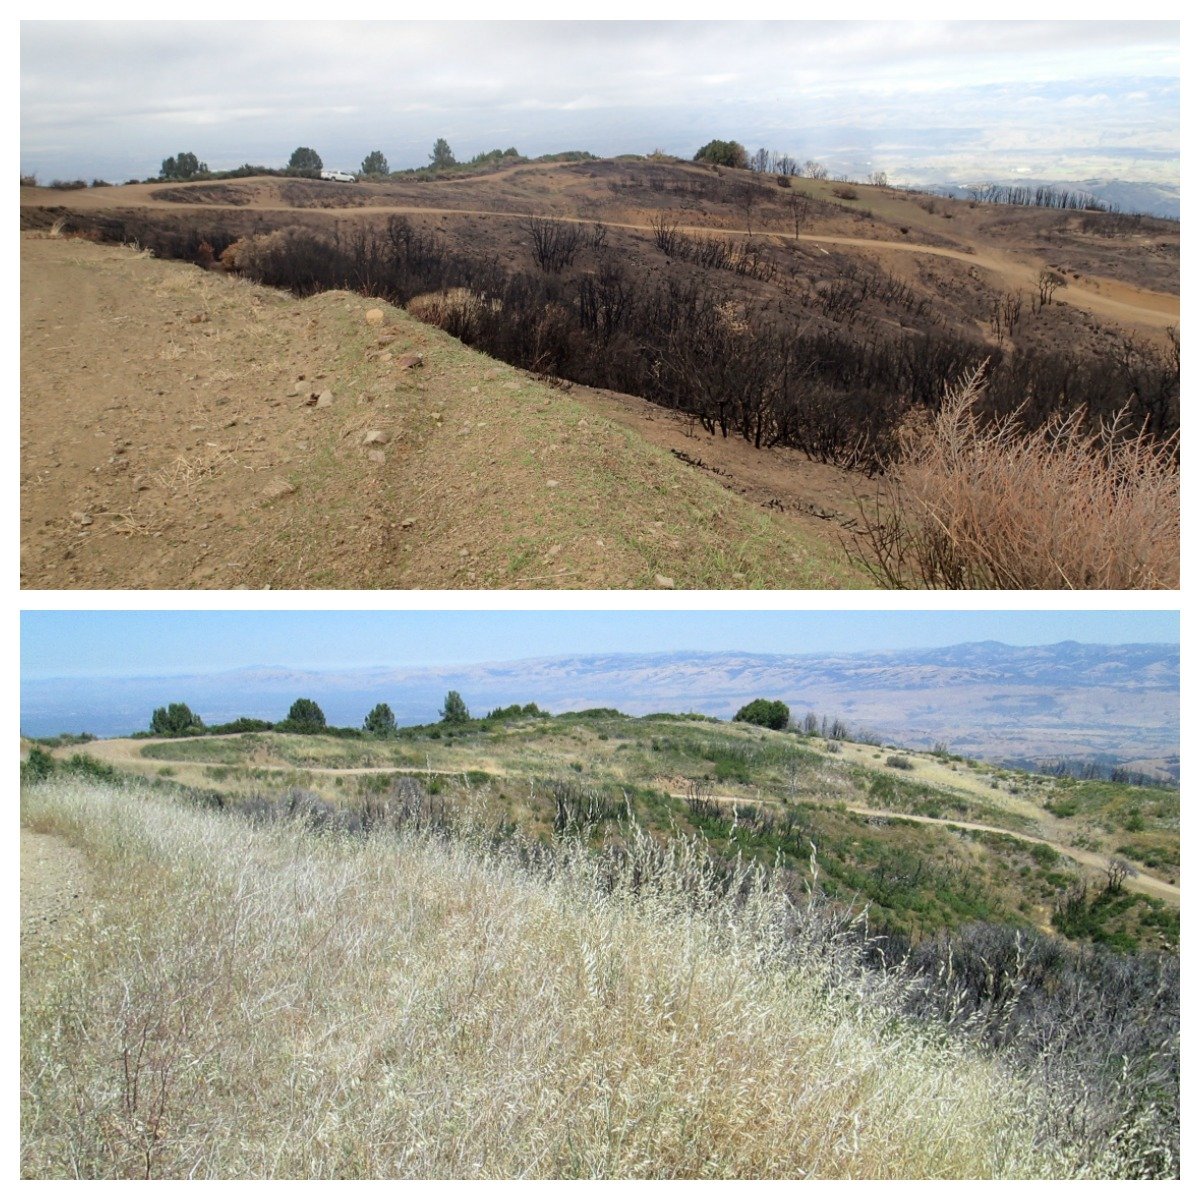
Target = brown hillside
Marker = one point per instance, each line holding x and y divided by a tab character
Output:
1121	272
174	435
804	319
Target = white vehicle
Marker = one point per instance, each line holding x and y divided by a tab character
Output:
337	176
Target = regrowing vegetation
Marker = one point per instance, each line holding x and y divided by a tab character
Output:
586	944
970	391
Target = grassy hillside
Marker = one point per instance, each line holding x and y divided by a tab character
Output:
248	999
929	841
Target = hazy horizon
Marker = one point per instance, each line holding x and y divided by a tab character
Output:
1065	694
125	644
926	101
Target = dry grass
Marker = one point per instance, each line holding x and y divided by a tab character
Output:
451	307
982	504
255	1001
183	473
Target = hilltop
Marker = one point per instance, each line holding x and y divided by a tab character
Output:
1104	704
1008	842
1122	268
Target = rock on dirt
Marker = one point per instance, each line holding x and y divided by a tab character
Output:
277	489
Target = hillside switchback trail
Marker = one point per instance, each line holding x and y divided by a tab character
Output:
124	753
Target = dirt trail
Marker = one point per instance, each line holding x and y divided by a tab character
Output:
1141	882
1105	297
54	882
126	752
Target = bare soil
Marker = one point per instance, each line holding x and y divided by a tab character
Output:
185	429
778	479
54	885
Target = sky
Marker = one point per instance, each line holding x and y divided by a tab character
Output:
120	643
925	101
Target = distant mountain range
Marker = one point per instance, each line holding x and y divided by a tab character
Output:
1104	703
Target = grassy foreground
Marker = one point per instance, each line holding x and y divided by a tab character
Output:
239	999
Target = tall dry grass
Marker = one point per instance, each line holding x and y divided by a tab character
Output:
252	1000
981	503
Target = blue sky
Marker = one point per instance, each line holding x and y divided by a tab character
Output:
924	100
75	643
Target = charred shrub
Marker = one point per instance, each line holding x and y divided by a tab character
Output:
1100	1028
687	340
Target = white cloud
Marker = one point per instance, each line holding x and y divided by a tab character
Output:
98	88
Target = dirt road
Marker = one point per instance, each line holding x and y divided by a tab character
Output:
1095	294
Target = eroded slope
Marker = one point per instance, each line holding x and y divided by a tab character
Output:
185	429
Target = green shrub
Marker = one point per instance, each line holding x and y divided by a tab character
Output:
773	714
88	767
242	725
38	766
723	154
64	739
1068	806
1045	856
